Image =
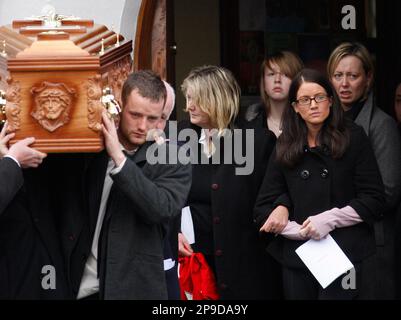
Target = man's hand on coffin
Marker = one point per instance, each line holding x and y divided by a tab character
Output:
4	139
26	156
111	141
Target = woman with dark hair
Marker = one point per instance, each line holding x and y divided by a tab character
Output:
325	174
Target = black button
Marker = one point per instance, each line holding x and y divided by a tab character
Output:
215	186
325	173
219	253
305	174
71	237
36	220
216	220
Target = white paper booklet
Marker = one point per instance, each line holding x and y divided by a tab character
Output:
187	226
324	259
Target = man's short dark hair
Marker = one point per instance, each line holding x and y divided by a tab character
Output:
148	84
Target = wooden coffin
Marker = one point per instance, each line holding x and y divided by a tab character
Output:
53	80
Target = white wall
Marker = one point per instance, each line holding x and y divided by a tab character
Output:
129	18
120	13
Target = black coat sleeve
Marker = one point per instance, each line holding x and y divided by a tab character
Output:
370	198
11	180
272	193
160	199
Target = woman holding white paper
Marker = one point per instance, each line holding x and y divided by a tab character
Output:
324	173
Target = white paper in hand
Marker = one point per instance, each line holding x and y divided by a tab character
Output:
325	259
187	226
169	264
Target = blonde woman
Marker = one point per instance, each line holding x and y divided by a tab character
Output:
277	71
220	201
351	72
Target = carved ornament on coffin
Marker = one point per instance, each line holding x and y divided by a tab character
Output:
13	109
53	102
117	75
95	106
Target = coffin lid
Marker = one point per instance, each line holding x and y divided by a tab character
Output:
26	39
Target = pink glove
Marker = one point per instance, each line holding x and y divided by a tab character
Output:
291	231
329	220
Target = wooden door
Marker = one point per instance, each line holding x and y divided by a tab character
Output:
154	43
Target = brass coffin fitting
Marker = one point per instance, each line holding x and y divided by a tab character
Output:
110	103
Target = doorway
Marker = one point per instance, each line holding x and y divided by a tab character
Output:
238	34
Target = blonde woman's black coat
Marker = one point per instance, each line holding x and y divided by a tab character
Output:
224	226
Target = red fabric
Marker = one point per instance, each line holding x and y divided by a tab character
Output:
197	278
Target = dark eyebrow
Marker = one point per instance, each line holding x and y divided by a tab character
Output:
316	94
